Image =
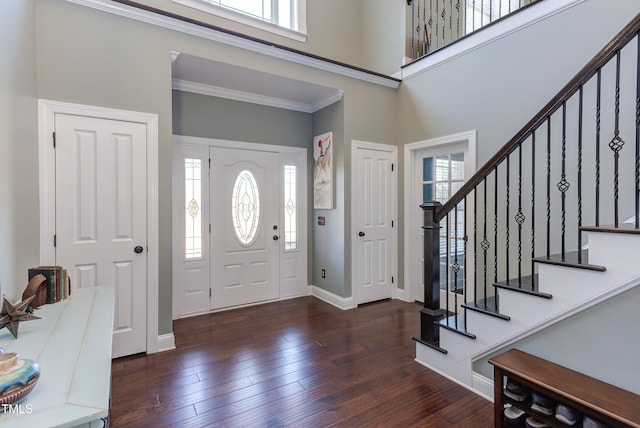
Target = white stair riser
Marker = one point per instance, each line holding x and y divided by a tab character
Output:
528	310
571	284
443	364
622	262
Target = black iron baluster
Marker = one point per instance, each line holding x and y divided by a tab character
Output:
475	244
506	218
495	236
533	205
563	184
464	261
616	144
455	267
548	186
485	244
450	21
637	163
437	39
491	17
414	54
580	106
446	270
458	22
598	108
443	15
520	218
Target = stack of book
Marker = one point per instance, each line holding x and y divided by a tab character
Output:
57	281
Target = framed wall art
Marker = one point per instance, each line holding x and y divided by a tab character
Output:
323	171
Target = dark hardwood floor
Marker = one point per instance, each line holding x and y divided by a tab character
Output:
299	363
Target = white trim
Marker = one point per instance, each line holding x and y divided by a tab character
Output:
230	144
166	342
46	126
235	41
248	20
248	97
482	385
503	28
409	172
446	375
339	302
355	145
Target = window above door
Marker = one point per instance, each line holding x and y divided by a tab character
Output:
283	17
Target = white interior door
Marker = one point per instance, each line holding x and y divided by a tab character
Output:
245	227
101	219
373	197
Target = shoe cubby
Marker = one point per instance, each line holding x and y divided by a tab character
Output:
534	386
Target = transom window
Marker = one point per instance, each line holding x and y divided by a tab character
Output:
288	15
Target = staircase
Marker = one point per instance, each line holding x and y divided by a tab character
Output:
522	219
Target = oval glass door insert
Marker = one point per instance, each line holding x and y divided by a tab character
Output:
245	207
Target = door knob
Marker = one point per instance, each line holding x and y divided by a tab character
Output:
361	234
276	237
138	249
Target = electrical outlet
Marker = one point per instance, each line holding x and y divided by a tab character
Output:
324	273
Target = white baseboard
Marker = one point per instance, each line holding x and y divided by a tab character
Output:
343	303
482	386
166	342
402	294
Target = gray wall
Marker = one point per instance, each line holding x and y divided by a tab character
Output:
601	342
19	216
82	59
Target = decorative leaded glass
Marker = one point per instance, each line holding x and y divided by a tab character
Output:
245	207
290	208
193	201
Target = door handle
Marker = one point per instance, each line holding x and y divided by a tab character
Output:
138	249
276	237
361	234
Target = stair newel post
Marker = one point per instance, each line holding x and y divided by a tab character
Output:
431	313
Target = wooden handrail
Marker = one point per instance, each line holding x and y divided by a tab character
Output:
587	72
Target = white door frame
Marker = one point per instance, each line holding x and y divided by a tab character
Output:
355	145
303	227
47	110
410	151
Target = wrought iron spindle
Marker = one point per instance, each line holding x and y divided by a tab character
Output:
443	15
475	244
455	267
446	270
430	35
563	184
548	186
616	143
533	205
506	217
580	106
414	54
495	237
598	109
464	261
637	163
485	244
450	21
520	218
458	21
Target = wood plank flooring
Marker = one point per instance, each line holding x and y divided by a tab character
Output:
299	363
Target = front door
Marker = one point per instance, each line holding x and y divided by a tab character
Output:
245	227
373	197
101	223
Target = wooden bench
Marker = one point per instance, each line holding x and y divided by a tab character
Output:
606	403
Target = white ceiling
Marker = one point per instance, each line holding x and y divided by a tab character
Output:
196	74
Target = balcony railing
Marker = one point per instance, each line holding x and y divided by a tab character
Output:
435	24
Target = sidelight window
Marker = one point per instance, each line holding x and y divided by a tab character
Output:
290	208
193	207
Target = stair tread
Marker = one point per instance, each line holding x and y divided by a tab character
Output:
456	323
527	284
576	259
486	306
627	228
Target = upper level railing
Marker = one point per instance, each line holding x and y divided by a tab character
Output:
575	163
435	24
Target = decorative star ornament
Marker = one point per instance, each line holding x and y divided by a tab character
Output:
11	315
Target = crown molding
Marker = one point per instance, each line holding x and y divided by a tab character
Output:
247	97
176	24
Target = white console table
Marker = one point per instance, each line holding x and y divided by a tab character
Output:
72	345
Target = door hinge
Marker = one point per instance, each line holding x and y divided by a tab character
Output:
209	163
392	279
54	139
209	227
391	167
392	223
55	240
209	293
